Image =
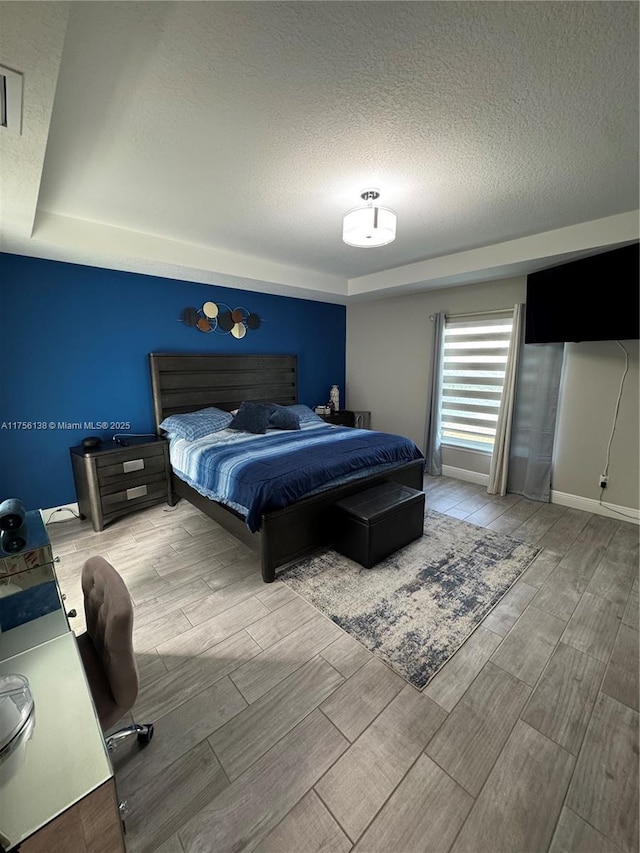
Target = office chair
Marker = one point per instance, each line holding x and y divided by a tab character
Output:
106	649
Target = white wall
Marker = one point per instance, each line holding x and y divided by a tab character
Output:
590	383
389	347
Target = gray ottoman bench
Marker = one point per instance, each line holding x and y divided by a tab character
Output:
372	524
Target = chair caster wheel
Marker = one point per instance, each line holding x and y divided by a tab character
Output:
145	737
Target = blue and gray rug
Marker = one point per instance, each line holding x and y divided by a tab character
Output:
417	607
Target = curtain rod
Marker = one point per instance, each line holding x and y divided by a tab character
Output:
474	314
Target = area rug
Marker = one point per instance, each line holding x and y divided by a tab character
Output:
416	608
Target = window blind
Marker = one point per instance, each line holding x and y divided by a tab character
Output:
475	358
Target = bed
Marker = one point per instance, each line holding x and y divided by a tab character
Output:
185	383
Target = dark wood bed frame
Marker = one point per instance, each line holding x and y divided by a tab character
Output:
184	383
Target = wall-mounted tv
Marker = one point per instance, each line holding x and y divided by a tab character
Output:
593	299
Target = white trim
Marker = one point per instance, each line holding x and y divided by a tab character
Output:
464	474
59	516
621	513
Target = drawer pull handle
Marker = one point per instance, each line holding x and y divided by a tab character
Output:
133	465
136	492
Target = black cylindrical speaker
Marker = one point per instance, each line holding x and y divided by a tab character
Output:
12	514
13	530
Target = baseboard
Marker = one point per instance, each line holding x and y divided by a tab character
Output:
622	513
60	515
463	474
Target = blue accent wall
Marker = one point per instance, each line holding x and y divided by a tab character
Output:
74	345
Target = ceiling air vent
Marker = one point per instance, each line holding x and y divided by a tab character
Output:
10	100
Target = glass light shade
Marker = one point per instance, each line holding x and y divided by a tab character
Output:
369	226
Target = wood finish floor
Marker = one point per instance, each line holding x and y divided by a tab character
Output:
277	732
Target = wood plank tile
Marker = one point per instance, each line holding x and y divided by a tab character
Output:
496	507
423	815
561	536
360	782
621	678
519	805
506	613
448	685
245	738
561	592
245	812
537	525
179	731
171	845
204	546
173	534
276	594
541	568
227	575
528	646
223	599
469	742
346	655
599	530
261	673
274	626
150	666
181	684
631	613
624	547
612	581
561	704
193	642
593	627
308	828
173	565
153	633
161	804
514	517
361	698
604	789
574	835
170	601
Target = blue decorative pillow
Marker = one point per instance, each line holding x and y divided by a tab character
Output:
252	417
283	418
305	414
193	425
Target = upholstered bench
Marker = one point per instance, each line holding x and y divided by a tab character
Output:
372	524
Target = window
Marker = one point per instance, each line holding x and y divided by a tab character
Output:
475	358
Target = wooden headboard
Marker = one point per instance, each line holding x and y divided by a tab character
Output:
184	383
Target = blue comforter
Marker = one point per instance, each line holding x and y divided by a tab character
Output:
256	474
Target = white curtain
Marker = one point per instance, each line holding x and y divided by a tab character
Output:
499	470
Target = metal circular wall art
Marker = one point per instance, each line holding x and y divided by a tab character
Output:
220	318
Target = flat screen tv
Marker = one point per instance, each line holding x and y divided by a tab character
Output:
593	299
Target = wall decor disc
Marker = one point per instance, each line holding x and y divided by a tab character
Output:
239	330
253	321
225	322
203	324
190	316
237	316
210	309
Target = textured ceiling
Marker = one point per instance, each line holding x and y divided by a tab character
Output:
249	128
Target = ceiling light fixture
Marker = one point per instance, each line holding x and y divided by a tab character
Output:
371	225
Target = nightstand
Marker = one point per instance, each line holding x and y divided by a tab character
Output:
112	481
345	417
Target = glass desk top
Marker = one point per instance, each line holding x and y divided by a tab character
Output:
65	758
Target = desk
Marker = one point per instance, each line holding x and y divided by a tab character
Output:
49	787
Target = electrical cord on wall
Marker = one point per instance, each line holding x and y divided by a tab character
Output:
62	509
613	429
